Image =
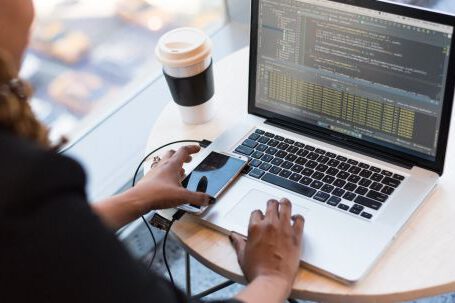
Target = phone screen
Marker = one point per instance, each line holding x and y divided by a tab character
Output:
213	174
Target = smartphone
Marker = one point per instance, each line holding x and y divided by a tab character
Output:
212	176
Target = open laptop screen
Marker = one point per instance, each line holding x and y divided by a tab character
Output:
375	76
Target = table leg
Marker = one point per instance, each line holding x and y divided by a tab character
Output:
188	274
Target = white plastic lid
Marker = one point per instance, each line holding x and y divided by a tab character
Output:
183	47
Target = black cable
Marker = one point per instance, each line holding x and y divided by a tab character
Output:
203	143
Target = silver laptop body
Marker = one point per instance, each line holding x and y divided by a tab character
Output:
322	74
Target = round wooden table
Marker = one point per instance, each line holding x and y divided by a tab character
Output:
419	263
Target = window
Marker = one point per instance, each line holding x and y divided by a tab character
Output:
85	56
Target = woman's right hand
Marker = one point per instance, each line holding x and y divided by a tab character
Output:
273	247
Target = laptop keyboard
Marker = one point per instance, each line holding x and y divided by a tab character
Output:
335	180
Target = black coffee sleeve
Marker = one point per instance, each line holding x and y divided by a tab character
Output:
192	91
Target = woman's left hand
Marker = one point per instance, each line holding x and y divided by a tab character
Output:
161	188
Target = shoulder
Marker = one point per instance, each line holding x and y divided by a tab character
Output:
30	173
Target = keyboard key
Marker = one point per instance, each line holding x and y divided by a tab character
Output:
367	202
256	173
344	166
350	186
327	188
377	177
365	182
259	131
338	192
254	136
309	147
270	135
295	177
323	159
387	173
281	154
332	171
330	155
343	175
257	155
250	143
289	141
297	168
398	177
313	156
363	165
341	158
292	149
299	145
306	180
322	167
244	150
301	161
247	169
365	173
334	163
279	138
376	186
290	185
353	162
321	196
261	147
271	151
265	166
391	182
307	171
291	157
311	164
316	184
361	190
387	190
283	146
377	196
320	151
375	169
302	153
255	163
356	209
352	178
275	170
333	201
267	158
263	140
273	143
287	165
349	196
343	206
277	161
354	170
285	173
328	179
366	215
339	183
317	175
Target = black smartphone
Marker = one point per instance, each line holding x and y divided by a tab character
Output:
212	176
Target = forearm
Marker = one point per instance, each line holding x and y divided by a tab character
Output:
119	210
265	290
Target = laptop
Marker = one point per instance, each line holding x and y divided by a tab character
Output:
348	117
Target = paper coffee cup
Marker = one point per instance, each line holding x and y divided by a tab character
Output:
185	54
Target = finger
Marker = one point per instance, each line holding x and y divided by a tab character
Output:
168	155
299	223
239	243
272	210
285	211
256	217
182	173
195	198
184	153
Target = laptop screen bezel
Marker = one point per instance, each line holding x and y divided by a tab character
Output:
350	142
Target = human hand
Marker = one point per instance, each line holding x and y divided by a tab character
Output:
161	188
274	245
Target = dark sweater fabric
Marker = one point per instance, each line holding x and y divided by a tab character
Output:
53	248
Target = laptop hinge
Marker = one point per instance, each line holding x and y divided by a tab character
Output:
340	142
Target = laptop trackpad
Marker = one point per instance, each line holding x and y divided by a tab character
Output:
239	215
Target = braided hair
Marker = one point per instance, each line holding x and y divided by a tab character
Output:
16	115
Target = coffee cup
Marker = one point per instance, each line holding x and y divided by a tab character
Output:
185	54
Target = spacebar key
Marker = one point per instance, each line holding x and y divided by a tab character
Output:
287	184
